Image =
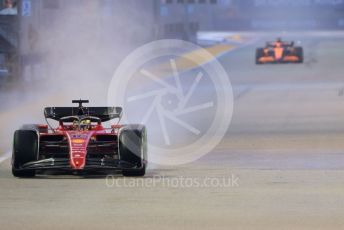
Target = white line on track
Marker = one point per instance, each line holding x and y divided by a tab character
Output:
6	156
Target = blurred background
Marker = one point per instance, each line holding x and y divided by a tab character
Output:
54	39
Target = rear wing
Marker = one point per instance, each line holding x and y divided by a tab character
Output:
271	44
103	113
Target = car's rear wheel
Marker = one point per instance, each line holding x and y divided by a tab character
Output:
25	149
133	149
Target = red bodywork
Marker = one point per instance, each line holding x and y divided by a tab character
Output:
79	141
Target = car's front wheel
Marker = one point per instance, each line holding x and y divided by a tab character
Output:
133	149
299	53
25	149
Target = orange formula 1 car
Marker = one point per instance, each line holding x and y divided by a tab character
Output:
279	52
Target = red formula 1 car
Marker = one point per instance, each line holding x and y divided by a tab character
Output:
279	52
80	143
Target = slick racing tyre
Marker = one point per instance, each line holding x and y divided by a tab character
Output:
259	54
25	149
133	148
299	54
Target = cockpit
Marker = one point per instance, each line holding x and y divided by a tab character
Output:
79	123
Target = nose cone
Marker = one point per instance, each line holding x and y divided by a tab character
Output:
78	160
78	142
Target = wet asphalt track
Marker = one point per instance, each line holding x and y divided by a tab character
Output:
285	145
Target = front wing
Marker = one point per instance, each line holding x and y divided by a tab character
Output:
285	59
96	164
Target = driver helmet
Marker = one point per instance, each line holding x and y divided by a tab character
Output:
85	124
